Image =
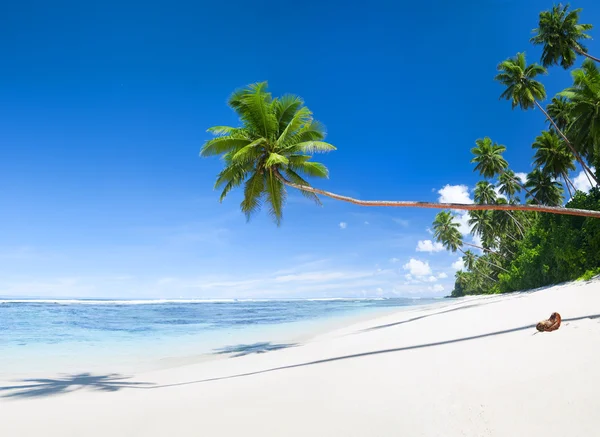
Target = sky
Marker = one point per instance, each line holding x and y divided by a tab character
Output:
104	107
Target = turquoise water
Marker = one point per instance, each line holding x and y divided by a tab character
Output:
53	335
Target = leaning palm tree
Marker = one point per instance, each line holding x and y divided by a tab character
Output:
524	91
560	33
554	157
584	97
274	145
489	161
273	149
545	187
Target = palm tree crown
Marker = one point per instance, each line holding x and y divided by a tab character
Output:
560	33
274	144
544	188
553	155
508	184
445	230
488	157
518	78
584	97
560	111
484	193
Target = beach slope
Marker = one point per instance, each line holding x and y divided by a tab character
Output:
466	367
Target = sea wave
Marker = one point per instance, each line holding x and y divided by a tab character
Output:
178	301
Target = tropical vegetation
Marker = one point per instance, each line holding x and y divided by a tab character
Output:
511	245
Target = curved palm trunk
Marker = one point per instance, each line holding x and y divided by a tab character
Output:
586	169
433	205
587	55
566	179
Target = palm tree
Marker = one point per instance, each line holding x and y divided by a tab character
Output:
445	231
544	187
489	160
470	262
560	33
278	136
524	91
508	184
484	193
554	157
560	110
273	149
584	96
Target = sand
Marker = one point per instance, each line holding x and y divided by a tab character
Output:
467	367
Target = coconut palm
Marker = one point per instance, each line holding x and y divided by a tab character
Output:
278	138
584	96
445	231
273	148
560	111
484	193
470	260
560	33
554	157
524	91
489	160
546	189
508	184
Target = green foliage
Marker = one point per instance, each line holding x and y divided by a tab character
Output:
560	33
272	148
589	274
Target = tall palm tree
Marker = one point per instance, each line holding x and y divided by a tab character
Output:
584	97
560	33
484	193
560	110
274	147
544	187
489	160
554	157
524	91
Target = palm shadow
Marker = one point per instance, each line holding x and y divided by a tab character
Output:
36	388
239	350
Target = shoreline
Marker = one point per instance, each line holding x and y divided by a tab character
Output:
470	366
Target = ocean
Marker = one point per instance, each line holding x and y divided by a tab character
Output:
38	335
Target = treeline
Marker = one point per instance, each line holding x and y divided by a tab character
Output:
520	250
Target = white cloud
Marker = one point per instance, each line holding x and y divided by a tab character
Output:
442	275
343	225
394	260
458	264
499	194
462	219
366	223
437	287
522	176
455	194
417	268
581	182
429	231
429	246
430	279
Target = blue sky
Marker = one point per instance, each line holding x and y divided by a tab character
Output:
105	107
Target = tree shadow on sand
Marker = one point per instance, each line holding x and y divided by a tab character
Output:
239	350
36	388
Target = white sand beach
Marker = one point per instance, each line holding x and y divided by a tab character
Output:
466	367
